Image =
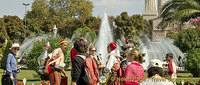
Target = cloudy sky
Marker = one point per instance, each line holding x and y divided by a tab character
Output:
111	7
115	7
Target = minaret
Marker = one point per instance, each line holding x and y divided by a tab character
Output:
150	9
160	4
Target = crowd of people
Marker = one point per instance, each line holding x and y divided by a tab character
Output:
87	67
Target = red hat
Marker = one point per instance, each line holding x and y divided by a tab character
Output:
113	45
63	41
47	45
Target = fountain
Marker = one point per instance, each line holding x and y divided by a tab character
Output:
158	50
105	37
27	44
152	50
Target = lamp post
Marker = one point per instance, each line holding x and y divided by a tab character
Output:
55	31
6	41
25	17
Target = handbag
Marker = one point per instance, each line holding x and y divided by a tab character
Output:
64	80
5	79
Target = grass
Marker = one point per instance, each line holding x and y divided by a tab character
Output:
33	77
187	77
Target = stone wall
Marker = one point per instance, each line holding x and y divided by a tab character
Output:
158	35
162	33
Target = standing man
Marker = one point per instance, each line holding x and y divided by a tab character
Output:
11	63
79	65
172	68
112	58
112	65
56	62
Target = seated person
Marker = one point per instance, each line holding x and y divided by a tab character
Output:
155	74
23	60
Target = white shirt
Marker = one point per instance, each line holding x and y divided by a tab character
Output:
174	75
111	61
60	62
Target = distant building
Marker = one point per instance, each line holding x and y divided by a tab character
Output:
151	12
158	34
150	9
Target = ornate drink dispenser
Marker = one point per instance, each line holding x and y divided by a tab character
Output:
42	57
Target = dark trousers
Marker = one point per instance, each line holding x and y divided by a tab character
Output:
15	77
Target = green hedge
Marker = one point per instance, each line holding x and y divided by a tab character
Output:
192	63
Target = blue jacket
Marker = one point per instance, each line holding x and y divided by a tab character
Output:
11	64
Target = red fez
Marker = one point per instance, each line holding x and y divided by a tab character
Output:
113	45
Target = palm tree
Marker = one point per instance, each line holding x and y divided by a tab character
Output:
178	11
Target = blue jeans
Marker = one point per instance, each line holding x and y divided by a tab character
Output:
15	77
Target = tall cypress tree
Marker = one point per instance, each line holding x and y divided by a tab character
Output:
6	51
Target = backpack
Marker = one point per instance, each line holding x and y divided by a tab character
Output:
91	76
5	79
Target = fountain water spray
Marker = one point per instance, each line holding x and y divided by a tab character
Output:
105	37
27	44
158	50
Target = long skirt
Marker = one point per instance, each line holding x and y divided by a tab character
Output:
113	79
55	77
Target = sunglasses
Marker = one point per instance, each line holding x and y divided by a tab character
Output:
93	50
16	48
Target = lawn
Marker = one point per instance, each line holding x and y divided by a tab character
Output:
33	78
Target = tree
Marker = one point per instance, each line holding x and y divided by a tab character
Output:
34	27
187	39
93	23
40	18
138	22
5	54
14	28
64	9
129	26
65	14
179	11
40	10
80	8
148	27
192	62
86	32
68	27
3	32
59	10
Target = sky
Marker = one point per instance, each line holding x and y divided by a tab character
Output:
111	7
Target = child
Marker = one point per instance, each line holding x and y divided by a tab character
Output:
172	68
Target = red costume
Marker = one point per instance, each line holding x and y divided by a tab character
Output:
73	53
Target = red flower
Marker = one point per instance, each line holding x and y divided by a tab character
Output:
126	41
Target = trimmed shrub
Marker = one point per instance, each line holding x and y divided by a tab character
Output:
192	63
187	39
